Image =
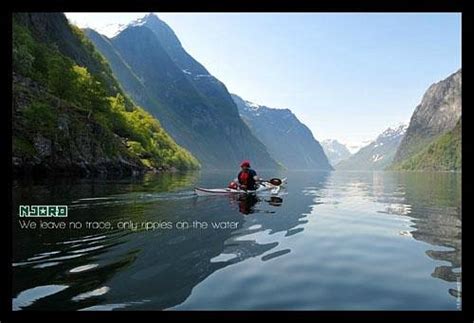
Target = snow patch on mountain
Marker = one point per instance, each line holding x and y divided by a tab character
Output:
335	151
377	157
202	75
392	132
251	105
187	72
379	153
113	29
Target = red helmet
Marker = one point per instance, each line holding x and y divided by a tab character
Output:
245	163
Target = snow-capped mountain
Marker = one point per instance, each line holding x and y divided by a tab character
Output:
194	107
378	154
113	29
335	151
391	133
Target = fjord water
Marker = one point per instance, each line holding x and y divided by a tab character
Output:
331	241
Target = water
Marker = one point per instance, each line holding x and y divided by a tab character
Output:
331	241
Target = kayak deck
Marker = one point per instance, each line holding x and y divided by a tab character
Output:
217	191
264	187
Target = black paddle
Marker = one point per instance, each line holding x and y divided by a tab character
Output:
274	181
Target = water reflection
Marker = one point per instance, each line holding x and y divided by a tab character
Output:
60	190
72	264
436	213
431	202
247	203
161	269
143	269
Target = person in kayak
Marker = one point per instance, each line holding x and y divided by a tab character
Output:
247	177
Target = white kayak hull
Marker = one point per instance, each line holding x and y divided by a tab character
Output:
267	187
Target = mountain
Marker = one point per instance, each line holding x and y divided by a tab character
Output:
191	104
437	114
69	114
335	151
128	80
444	153
287	139
55	30
378	154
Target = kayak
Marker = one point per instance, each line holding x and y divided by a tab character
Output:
263	187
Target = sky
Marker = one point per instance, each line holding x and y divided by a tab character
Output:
347	76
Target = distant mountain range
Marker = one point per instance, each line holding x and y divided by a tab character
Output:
190	103
433	137
432	140
286	138
378	154
335	151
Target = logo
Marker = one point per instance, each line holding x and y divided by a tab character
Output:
43	211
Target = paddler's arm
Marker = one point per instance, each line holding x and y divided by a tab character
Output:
256	178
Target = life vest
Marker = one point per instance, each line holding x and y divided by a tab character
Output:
247	178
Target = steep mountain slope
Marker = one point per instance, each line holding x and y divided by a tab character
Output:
438	113
69	113
129	81
192	105
335	151
54	29
444	153
378	155
287	139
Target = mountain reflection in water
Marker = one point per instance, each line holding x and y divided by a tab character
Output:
388	238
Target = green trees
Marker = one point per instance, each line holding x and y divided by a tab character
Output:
147	139
21	50
60	77
87	95
443	154
40	117
88	91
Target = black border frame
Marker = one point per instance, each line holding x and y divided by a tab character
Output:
465	315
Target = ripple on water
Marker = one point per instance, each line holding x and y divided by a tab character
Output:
71	249
275	254
130	198
83	239
223	257
46	260
83	268
85	250
28	297
96	292
46	265
110	307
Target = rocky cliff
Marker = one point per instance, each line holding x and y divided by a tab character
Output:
437	114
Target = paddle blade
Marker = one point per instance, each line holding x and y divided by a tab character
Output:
275	181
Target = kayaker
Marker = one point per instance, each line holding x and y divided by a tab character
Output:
247	177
